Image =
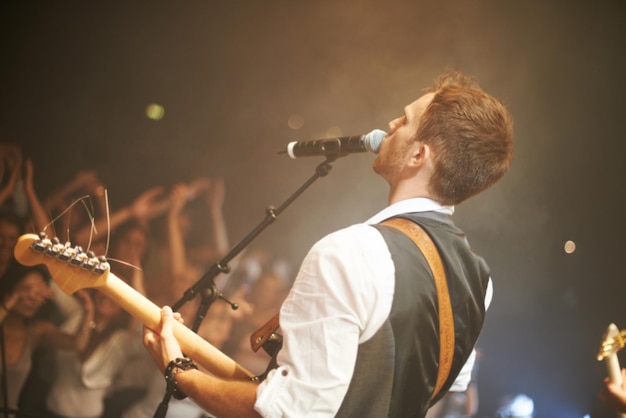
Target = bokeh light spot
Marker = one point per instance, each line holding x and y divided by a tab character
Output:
295	121
155	111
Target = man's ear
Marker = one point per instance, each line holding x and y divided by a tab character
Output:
420	154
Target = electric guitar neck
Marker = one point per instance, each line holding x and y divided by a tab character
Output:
72	269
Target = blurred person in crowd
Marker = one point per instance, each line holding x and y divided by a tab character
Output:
185	262
83	379
10	231
115	371
20	207
129	249
11	177
23	290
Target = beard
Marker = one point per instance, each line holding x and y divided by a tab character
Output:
390	161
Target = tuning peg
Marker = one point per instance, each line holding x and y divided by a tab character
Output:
91	262
102	266
57	248
80	257
43	244
67	253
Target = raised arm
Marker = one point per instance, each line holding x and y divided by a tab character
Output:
146	206
85	181
214	192
40	218
215	202
11	161
79	340
176	244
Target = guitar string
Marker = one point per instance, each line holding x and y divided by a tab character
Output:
107	210
108	241
93	230
66	210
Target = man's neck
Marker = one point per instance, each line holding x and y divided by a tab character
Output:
408	188
400	194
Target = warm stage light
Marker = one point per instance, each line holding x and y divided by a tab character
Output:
155	111
570	247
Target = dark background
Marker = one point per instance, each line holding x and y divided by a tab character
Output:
76	78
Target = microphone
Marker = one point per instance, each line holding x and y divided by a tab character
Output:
336	146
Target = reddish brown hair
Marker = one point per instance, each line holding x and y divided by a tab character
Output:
471	134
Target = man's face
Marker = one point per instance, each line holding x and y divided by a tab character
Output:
106	306
395	149
131	247
33	292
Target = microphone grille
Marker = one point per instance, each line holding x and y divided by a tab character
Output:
372	140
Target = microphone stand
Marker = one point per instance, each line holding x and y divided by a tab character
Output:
205	286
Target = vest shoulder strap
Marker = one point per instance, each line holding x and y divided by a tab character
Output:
446	321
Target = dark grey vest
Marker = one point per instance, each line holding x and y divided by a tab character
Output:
396	370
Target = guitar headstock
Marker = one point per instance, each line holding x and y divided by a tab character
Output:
613	341
71	268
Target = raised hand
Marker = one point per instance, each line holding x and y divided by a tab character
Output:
179	196
11	161
89	181
149	204
215	196
28	176
199	186
613	394
84	297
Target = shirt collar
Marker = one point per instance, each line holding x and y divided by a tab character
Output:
417	204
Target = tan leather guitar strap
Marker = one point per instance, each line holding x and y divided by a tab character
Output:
446	320
263	334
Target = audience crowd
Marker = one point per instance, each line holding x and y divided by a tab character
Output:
81	355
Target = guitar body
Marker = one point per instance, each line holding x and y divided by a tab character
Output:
611	360
611	344
73	269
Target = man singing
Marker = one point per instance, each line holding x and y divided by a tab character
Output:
361	326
